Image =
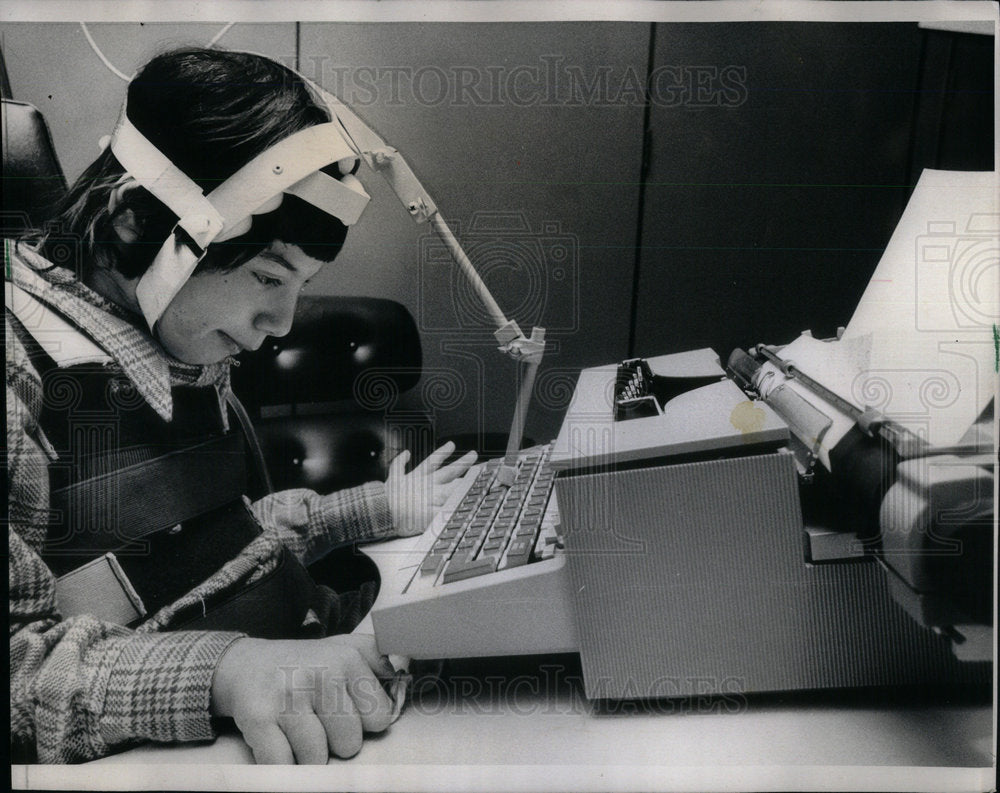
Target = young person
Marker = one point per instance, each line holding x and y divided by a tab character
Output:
121	455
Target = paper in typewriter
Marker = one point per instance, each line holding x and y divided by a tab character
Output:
921	346
928	318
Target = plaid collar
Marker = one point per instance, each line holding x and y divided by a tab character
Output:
116	330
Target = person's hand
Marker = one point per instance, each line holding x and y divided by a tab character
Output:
415	497
300	701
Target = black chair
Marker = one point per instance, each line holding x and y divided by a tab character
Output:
326	398
325	401
33	181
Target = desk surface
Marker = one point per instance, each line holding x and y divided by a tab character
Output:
524	724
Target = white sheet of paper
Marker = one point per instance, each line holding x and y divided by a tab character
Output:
927	320
921	347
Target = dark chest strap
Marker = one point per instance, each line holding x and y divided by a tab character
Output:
144	510
119	510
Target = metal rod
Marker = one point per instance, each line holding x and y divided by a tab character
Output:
508	470
820	390
906	443
470	272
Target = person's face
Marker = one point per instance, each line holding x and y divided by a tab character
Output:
218	314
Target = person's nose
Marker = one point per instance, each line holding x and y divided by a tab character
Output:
275	319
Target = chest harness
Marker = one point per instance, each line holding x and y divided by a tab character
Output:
143	510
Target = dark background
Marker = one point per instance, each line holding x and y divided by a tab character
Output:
744	214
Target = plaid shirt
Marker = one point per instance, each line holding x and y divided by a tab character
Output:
80	687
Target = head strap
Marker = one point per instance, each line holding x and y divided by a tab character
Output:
290	166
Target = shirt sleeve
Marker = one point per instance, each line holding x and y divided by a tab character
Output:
311	525
80	687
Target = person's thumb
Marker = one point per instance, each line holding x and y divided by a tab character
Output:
398	465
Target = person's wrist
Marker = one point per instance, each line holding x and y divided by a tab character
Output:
227	671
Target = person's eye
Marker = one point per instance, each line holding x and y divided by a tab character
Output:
267	280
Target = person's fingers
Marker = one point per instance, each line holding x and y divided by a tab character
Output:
438	456
268	743
455	469
364	643
339	717
306	735
371	703
443	492
398	465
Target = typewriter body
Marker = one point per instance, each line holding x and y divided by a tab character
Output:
694	568
774	524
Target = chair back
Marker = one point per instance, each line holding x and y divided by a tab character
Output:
33	180
325	398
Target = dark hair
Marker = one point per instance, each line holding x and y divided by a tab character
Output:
210	112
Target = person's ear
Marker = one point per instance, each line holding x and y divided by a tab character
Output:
127	226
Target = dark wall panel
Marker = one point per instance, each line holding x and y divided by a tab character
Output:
767	210
954	124
778	159
529	137
53	67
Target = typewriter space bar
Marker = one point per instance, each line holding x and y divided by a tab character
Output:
458	570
